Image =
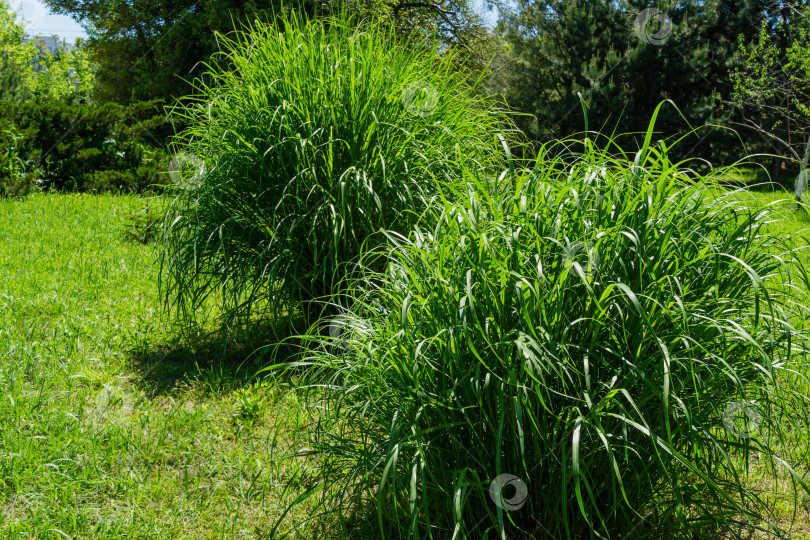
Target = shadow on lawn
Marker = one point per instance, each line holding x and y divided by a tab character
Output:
218	362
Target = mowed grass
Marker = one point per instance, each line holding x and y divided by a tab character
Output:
113	423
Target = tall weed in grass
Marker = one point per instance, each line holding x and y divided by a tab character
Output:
309	141
564	354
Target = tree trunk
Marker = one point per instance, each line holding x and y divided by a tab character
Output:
801	179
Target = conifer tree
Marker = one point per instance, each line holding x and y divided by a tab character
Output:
623	58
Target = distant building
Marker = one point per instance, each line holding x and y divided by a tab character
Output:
51	43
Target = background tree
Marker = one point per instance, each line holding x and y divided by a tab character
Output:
64	74
624	63
772	89
12	57
29	69
148	49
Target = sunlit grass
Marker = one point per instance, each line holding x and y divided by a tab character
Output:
118	424
114	423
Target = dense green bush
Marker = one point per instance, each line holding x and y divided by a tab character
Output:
15	180
309	141
556	357
87	146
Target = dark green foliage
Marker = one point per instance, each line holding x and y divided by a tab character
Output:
87	146
564	47
583	326
147	50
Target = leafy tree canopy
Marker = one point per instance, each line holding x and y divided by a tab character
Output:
150	49
772	86
29	69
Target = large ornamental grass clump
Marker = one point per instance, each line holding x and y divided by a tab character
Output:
305	139
592	348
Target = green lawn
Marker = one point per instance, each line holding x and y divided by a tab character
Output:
117	423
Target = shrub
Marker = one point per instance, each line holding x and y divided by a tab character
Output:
309	142
30	70
557	358
88	146
12	84
14	180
